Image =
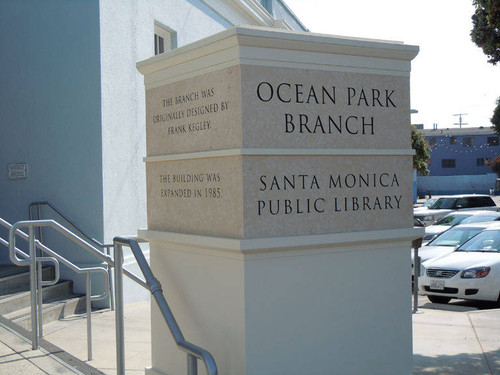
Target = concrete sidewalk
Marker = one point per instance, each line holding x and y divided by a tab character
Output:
455	339
452	339
70	335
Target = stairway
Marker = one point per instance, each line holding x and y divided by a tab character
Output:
59	301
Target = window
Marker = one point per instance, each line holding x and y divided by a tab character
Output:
159	44
483	162
448	163
165	38
484	202
492	141
469	142
463	203
453	140
432	142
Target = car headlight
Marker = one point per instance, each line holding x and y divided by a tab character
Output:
475	273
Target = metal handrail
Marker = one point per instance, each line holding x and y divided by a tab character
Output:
36	281
193	352
107	247
67	219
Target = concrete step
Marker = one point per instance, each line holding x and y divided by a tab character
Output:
20	282
18	301
57	309
11	269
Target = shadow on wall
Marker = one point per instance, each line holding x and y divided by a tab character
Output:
460	364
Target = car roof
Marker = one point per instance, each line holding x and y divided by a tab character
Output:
481	224
493	227
463	196
474	212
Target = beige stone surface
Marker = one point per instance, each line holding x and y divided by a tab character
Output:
307	108
269	196
200	113
294	195
260	106
200	196
242	146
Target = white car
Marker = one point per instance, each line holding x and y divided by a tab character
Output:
449	240
458	217
472	271
426	204
446	204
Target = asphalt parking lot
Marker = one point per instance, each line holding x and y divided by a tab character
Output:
458	338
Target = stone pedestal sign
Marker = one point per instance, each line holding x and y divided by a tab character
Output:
279	174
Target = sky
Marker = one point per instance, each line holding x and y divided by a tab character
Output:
449	76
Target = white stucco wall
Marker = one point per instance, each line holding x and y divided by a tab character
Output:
127	32
127	36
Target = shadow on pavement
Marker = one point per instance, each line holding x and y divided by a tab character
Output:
460	364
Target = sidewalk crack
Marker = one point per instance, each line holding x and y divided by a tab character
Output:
480	345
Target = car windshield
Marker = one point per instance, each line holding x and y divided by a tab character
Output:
443	203
486	241
429	202
479	218
454	236
452	220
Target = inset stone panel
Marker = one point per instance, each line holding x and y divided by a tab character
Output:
268	196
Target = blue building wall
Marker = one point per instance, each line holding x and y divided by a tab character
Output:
51	112
444	185
459	161
452	147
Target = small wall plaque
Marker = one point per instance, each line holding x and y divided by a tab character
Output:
17	171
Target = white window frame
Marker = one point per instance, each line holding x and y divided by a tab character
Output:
168	35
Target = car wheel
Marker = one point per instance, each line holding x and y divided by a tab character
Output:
439	299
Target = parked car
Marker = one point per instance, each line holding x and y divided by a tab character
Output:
458	217
427	203
449	240
446	204
472	271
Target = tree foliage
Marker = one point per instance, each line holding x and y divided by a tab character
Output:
486	34
486	28
495	120
495	165
422	155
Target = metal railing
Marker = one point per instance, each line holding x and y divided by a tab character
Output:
416	244
151	283
35	262
37	207
193	352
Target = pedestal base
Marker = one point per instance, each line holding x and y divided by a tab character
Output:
290	305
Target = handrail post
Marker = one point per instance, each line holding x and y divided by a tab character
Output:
120	336
89	317
110	282
40	298
416	271
192	365
33	289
